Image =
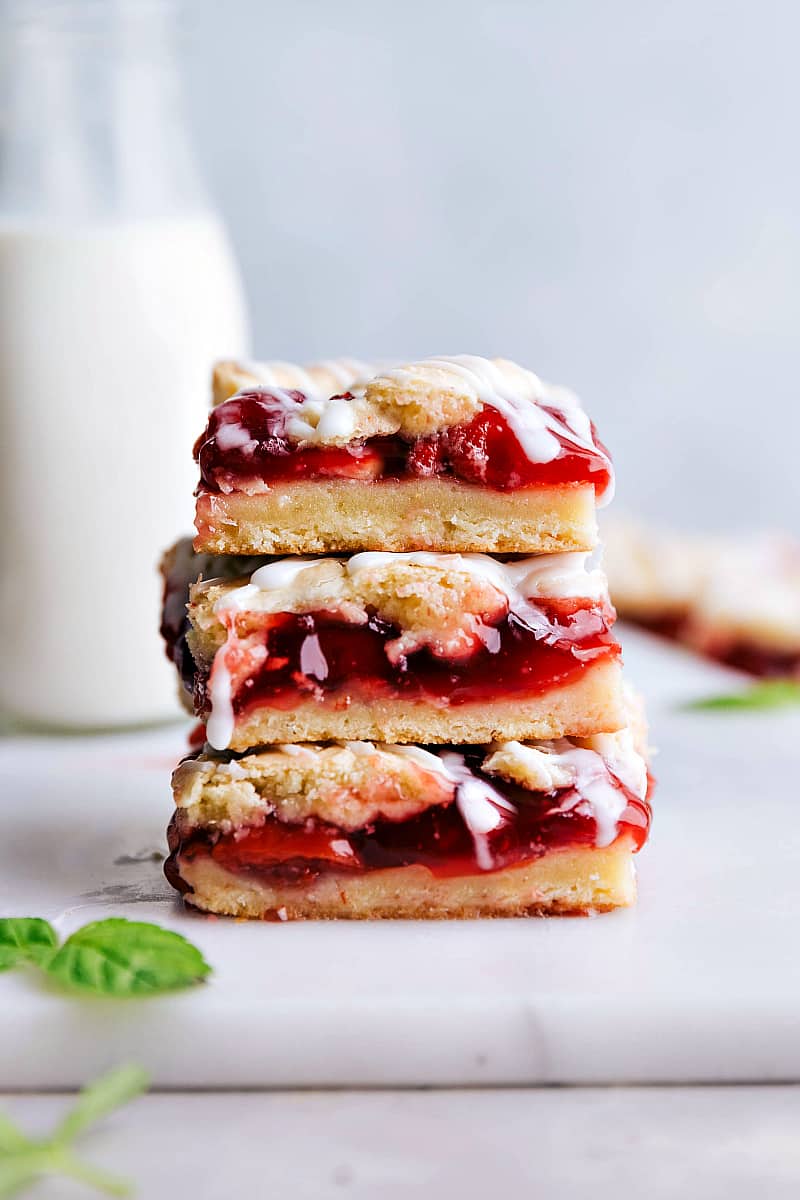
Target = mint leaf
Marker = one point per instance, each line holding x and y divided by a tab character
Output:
101	1097
117	957
25	940
772	693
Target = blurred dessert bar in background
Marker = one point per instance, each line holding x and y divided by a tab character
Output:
736	601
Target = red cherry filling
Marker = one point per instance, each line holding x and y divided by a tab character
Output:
317	655
246	439
246	442
529	825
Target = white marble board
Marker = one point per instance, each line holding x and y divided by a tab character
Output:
701	982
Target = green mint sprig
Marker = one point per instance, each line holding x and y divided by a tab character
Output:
25	940
114	957
23	1160
770	694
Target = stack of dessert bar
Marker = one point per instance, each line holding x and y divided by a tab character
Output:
410	694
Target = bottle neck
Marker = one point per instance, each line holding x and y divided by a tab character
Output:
94	128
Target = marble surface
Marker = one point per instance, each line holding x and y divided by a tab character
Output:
700	983
715	1143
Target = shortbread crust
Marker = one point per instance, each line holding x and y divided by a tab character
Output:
567	882
590	704
342	515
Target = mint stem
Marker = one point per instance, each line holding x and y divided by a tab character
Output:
63	1162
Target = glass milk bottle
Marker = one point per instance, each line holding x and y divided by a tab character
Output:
117	290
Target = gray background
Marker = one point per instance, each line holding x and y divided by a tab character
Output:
608	192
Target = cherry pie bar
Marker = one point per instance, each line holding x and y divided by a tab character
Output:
737	602
412	647
400	651
363	830
447	455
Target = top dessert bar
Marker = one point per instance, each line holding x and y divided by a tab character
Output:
447	454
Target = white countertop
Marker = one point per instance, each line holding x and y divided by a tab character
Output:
558	1144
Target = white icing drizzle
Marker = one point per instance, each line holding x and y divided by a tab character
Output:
298	749
231	435
219	728
481	806
281	573
272	577
623	760
337	420
596	794
546	576
592	788
312	661
362	749
423	758
542	577
593	775
519	395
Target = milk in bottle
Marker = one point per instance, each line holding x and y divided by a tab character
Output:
118	288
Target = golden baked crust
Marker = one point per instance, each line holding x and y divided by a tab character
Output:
442	515
571	881
591	703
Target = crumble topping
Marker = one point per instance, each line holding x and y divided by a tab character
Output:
547	766
349	785
444	602
352	784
